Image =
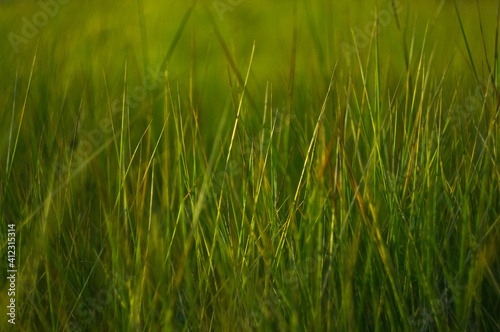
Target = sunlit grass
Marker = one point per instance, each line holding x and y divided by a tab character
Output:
169	170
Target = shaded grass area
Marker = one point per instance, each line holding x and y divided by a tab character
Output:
275	166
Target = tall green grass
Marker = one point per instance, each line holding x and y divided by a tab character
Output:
169	170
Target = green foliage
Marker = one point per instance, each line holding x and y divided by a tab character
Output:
251	165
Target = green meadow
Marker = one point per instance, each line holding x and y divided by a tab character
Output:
241	165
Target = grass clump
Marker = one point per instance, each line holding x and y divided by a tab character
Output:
275	166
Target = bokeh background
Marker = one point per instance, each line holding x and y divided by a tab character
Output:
109	250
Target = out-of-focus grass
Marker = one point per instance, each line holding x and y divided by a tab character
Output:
256	177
